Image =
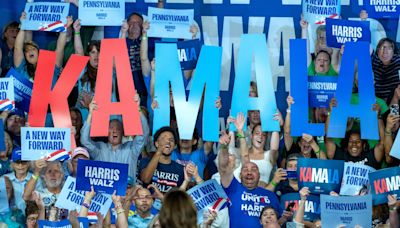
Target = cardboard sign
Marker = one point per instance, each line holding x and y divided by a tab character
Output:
22	90
384	182
338	32
72	199
382	9
346	211
321	89
355	178
320	176
45	16
83	223
40	142
101	12
315	12
208	195
312	209
170	23
105	177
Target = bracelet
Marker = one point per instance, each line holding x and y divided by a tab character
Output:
329	113
387	132
240	136
35	177
288	110
318	151
273	183
144	37
77	33
223	146
86	205
120	211
393	208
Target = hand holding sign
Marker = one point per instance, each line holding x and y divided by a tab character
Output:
304	193
39	165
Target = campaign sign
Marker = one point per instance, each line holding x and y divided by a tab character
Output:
384	182
311	208
315	11
45	142
321	89
338	32
382	9
208	195
6	94
101	12
355	178
346	211
45	16
105	177
72	199
22	90
170	23
83	223
188	53
4	206
320	176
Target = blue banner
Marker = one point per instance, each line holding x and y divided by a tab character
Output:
45	16
83	223
45	142
321	89
312	209
22	90
315	12
208	195
382	9
355	179
170	23
338	32
384	182
6	94
101	12
72	199
346	211
105	177
320	176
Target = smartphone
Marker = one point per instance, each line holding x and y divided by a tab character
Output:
290	206
394	109
291	174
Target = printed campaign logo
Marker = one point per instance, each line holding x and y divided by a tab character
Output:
312	208
59	155
45	16
384	182
57	26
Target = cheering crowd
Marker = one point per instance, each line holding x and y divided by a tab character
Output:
251	165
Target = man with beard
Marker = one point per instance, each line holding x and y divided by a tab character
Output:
114	150
47	180
247	198
143	203
13	122
160	170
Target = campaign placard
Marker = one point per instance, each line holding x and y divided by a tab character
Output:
320	176
382	9
312	209
101	12
45	16
72	199
315	11
321	89
346	211
355	179
338	32
4	205
208	195
7	101
22	90
83	223
53	144
170	23
105	177
384	182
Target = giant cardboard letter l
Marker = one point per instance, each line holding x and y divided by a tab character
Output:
115	51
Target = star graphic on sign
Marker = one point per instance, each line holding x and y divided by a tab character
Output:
44	25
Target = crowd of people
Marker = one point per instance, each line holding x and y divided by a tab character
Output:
251	165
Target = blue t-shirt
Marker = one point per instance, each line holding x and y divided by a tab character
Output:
198	157
248	204
166	176
134	59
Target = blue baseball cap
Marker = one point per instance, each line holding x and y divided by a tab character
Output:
16	154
